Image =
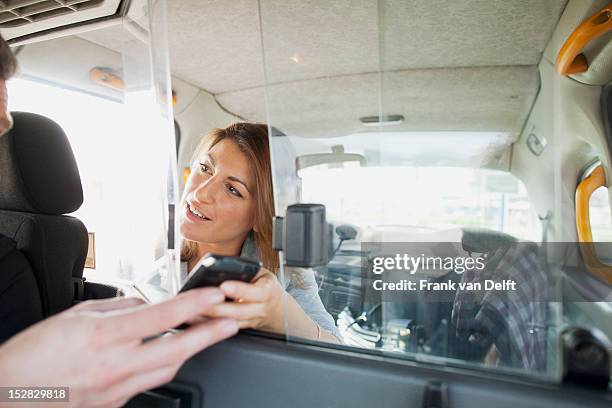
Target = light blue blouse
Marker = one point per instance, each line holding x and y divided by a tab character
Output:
306	294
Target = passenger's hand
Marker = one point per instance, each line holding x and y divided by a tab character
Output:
96	347
256	305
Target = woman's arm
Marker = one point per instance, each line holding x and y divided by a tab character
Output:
301	325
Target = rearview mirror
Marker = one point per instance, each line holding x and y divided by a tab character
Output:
337	156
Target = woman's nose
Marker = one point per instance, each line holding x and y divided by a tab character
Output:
205	192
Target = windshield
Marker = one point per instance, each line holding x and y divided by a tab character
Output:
416	199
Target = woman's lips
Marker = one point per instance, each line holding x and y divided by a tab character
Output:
194	217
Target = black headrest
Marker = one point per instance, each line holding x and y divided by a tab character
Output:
38	172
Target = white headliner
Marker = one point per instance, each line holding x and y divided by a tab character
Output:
496	44
216	45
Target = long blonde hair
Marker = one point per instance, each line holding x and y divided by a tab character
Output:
252	140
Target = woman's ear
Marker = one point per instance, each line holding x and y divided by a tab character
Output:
255	228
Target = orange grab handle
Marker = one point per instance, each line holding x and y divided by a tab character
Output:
583	224
570	60
583	196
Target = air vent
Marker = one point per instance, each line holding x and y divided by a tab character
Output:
16	13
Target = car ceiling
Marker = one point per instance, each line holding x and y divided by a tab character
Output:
467	65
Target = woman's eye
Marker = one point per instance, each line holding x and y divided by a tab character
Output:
205	168
233	191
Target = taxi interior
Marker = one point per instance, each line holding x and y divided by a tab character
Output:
475	123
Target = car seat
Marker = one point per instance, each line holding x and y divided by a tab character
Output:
39	184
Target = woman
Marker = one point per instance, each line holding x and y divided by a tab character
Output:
228	206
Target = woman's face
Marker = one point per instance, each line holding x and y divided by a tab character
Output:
219	201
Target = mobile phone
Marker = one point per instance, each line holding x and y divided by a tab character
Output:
213	270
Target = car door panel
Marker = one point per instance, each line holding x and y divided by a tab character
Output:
254	370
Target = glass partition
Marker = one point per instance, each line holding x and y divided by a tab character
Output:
110	91
453	240
306	99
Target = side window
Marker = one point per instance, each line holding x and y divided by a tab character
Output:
121	134
97	141
601	216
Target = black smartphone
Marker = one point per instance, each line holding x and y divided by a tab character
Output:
213	270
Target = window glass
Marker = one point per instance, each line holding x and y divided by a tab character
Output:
601	218
601	230
427	198
97	142
113	103
407	135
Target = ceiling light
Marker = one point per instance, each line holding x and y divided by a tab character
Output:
386	120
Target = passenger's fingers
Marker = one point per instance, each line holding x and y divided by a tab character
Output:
263	272
246	291
257	291
260	273
176	348
196	320
237	311
148	320
137	383
249	324
104	305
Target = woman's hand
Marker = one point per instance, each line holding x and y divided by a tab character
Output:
256	305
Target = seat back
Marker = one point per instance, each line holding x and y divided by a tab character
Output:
19	296
39	183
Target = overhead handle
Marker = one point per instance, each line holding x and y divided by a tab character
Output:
594	178
570	59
